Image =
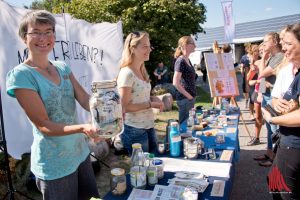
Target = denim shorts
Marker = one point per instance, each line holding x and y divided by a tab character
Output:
146	137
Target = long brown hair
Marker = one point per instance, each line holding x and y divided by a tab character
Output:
276	39
294	29
132	40
184	40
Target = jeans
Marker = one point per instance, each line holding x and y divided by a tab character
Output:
271	128
146	137
184	106
80	185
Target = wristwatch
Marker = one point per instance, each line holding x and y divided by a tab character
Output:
270	121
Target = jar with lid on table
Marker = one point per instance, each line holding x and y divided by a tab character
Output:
118	181
106	108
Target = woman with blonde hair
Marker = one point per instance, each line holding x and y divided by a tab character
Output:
184	77
134	88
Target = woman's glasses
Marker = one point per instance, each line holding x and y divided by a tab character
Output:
46	34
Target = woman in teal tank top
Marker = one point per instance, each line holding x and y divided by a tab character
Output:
47	91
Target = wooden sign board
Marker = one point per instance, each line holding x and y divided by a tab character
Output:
221	75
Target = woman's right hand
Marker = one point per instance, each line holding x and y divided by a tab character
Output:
280	105
92	132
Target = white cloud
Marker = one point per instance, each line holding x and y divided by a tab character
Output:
268	9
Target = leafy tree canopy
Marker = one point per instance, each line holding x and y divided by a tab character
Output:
165	20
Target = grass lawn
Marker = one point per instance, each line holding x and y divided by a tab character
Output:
203	98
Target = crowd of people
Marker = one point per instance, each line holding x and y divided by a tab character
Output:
271	73
60	153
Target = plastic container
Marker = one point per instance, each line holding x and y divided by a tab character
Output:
106	109
118	181
138	178
175	140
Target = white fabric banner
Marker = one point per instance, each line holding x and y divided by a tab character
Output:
229	26
93	52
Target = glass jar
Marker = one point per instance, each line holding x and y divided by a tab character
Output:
118	181
106	108
152	171
160	168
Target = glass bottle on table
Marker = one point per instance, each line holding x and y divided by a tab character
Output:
175	140
152	171
138	168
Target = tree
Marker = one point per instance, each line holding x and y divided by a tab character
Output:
165	20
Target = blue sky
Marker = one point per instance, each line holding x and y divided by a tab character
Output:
243	10
249	10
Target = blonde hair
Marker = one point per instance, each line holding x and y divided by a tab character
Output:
253	48
184	40
132	40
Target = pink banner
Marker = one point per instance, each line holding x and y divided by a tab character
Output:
229	26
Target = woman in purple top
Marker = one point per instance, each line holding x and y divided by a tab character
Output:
184	77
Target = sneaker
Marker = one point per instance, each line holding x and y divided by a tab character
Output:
253	141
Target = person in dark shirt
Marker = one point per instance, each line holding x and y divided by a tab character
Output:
245	67
203	68
161	73
284	175
184	77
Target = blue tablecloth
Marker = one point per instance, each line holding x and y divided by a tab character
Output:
231	139
231	143
168	175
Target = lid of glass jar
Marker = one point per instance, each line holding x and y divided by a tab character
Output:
117	171
104	84
136	145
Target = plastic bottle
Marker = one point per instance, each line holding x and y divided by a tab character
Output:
225	105
195	119
138	168
152	171
190	123
175	140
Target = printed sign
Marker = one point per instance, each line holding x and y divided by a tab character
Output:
221	75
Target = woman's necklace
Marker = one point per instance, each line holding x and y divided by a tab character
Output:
47	68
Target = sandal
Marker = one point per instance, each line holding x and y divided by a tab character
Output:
267	163
263	157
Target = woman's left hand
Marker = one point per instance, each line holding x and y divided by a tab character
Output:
268	85
267	116
158	105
